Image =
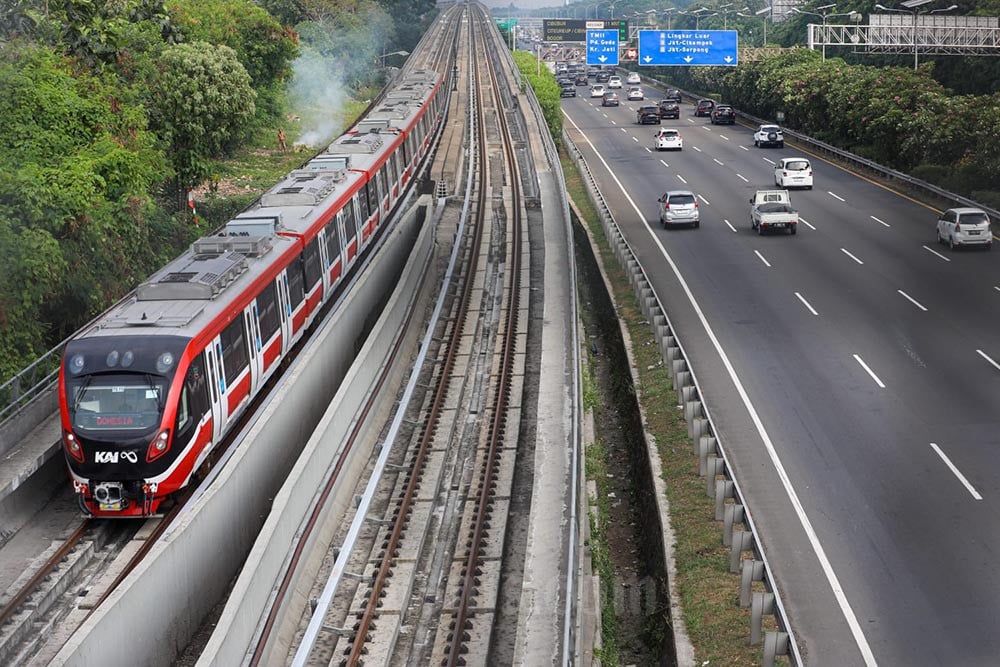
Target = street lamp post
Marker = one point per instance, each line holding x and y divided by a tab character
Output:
911	8
764	20
726	10
667	13
824	15
391	53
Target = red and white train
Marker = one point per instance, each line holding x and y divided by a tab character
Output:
153	385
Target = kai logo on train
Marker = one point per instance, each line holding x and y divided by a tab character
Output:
112	457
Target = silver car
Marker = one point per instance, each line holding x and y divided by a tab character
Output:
679	207
964	226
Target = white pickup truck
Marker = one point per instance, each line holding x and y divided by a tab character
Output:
771	210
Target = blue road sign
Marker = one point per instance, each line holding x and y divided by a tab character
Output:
688	47
602	47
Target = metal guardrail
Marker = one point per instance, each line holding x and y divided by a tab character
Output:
713	463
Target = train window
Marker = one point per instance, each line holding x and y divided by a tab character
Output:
296	290
409	146
333	236
267	311
363	205
350	221
311	265
380	183
234	350
406	149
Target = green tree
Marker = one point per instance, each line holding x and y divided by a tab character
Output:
79	164
264	47
201	104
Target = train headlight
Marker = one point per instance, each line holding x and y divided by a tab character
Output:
159	446
73	447
76	364
164	362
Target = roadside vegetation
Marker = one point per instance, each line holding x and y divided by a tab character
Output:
116	115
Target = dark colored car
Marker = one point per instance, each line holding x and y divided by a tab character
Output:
669	109
673	95
723	115
704	108
603	76
647	115
610	99
582	80
567	89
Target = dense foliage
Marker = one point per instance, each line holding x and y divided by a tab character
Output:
546	90
111	111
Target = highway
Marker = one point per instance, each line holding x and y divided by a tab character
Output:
852	372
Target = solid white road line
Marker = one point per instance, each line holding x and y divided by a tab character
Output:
935	252
730	225
911	300
835	196
870	371
987	358
806	304
766	263
879	221
951	466
851	256
838	591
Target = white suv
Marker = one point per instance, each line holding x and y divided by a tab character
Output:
769	135
668	139
964	226
615	82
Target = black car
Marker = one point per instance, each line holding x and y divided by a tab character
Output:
647	114
669	109
723	115
704	108
603	76
673	95
567	89
582	80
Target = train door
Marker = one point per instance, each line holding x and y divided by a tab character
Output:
285	310
252	329
217	389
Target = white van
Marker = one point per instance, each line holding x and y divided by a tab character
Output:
793	172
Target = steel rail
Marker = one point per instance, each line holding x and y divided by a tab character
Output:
503	385
29	587
433	417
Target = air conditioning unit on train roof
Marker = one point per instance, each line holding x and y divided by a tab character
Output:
367	142
330	162
303	187
373	124
252	224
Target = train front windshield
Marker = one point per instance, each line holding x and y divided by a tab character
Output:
116	402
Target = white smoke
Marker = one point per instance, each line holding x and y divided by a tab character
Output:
320	95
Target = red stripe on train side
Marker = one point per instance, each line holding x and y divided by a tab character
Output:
272	351
238	392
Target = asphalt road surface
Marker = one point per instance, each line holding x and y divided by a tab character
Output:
852	371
